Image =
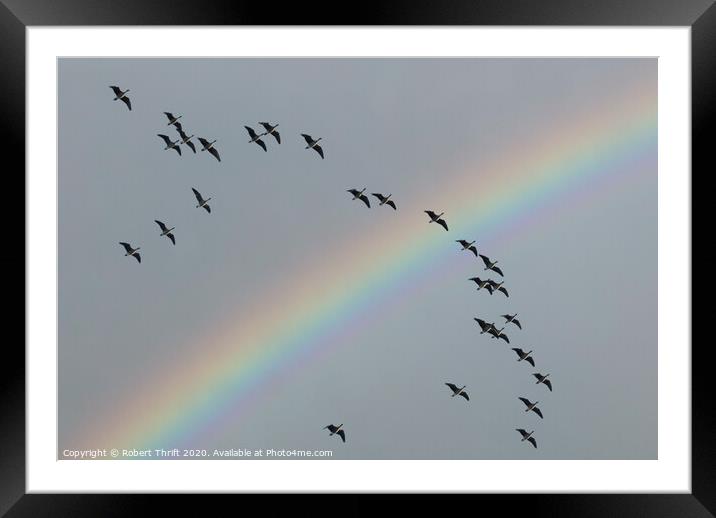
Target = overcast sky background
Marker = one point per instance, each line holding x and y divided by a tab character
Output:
584	285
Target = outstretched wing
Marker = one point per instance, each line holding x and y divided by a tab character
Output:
203	141
117	91
530	361
191	145
307	138
392	204
342	433
519	351
504	337
178	149
251	131
127	102
442	223
214	152
378	195
277	136
266	126
197	195
179	127
517	323
485	259
169	116
166	139
126	246
319	150
431	214
331	428
538	412
549	384
497	270
537	375
171	236
161	225
525	401
522	432
464	394
452	386
503	290
208	209
473	250
137	257
261	143
532	440
365	200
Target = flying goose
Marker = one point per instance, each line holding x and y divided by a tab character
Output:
497	333
131	251
119	94
468	245
531	406
209	146
482	284
527	436
437	218
490	265
512	319
543	379
313	144
497	286
337	430
524	356
255	138
166	231
458	391
271	130
360	196
485	326
186	139
172	119
202	202
384	200
169	143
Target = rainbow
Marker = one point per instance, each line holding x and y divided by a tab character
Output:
292	324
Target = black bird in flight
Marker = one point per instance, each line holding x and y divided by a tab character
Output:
487	284
436	218
185	139
468	245
313	144
384	200
456	391
543	379
360	196
512	319
490	265
526	356
119	94
531	406
169	143
527	436
255	138
271	130
173	119
202	202
337	430
166	231
209	146
497	333
485	326
497	286
131	251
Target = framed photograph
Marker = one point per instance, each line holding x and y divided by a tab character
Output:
437	251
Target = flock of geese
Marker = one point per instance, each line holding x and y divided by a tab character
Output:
489	285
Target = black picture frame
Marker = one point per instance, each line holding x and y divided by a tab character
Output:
16	15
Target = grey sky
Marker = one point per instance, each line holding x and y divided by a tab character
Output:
584	285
